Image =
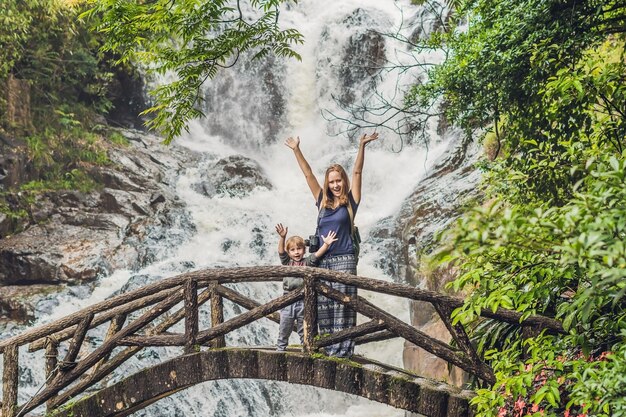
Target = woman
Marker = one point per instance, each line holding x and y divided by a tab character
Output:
334	215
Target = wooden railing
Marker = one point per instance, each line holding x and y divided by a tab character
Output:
69	376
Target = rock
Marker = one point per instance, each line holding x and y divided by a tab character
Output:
259	118
127	91
363	56
114	179
55	254
17	303
235	176
14	167
432	207
6	225
428	20
129	203
76	238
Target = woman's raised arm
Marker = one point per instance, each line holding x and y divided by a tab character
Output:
311	181
358	166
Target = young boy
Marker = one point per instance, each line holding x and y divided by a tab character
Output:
292	253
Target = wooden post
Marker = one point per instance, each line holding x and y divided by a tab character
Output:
250	316
457	331
191	315
310	313
103	316
117	322
113	363
9	378
52	353
350	333
406	331
79	336
217	315
244	301
63	380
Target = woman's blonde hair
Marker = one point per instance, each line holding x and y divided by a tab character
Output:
327	195
294	241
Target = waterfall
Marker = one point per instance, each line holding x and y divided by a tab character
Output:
246	180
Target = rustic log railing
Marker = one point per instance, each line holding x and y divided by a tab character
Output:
79	370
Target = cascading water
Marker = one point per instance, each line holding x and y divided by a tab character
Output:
246	181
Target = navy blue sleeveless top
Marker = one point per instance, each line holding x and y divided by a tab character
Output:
339	221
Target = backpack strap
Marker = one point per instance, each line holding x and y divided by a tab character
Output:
351	214
354	232
320	214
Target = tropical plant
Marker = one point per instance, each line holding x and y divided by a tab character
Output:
548	80
191	39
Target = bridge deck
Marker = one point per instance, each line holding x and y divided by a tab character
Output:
362	377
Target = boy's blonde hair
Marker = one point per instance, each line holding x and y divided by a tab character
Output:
294	241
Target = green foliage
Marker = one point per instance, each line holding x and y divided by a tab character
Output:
45	44
533	64
547	81
118	139
48	47
57	161
63	159
16	17
602	380
11	213
191	39
564	261
525	256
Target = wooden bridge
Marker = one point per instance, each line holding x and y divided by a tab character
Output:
142	318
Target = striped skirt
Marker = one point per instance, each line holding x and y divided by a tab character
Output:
332	316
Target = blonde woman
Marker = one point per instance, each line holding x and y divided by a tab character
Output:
337	202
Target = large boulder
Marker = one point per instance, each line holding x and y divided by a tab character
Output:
17	303
73	237
233	176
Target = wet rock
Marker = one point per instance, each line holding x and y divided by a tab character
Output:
258	241
234	176
75	238
259	118
227	244
18	302
355	70
410	235
428	19
363	57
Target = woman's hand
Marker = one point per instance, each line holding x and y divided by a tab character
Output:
365	139
293	143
